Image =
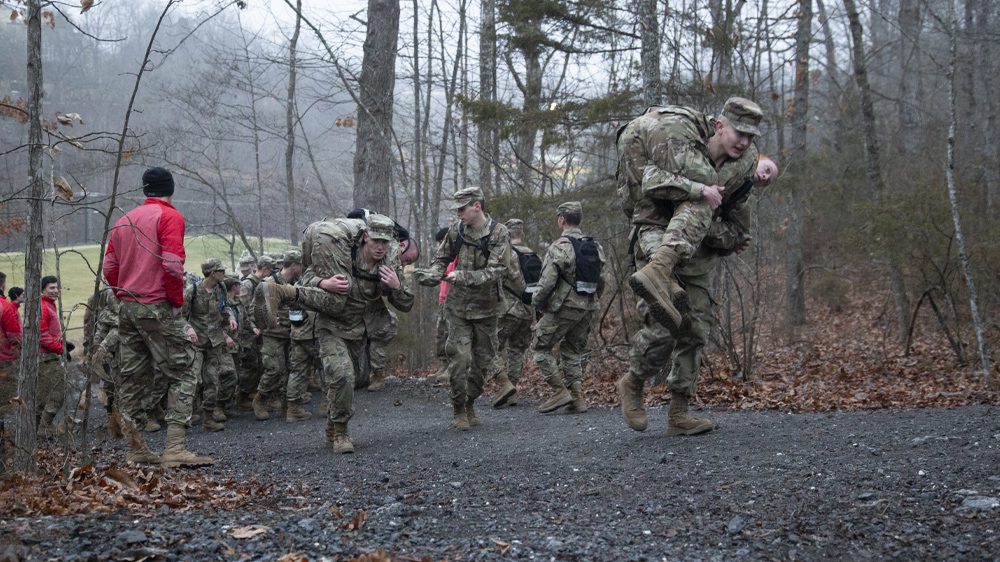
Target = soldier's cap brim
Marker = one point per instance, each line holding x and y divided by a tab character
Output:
745	127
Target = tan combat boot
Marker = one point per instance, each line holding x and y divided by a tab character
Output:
245	403
218	414
377	381
297	413
561	397
507	389
460	421
470	413
260	408
442	378
138	452
176	454
152	426
655	284
630	396
679	422
337	437
579	403
210	424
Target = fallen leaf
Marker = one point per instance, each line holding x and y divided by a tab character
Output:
249	532
13	15
294	557
121	478
62	188
86	5
501	545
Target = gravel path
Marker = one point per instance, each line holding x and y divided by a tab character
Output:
911	484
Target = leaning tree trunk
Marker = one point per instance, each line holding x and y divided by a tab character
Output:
290	116
373	154
963	256
27	379
874	162
796	295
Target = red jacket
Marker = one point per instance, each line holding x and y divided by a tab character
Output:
10	330
51	339
145	257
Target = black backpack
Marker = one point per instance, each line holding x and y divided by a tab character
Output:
588	265
531	266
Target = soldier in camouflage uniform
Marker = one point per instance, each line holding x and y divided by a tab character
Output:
303	357
274	349
669	146
514	331
248	361
350	271
247	264
149	285
482	247
101	322
567	317
671	155
205	309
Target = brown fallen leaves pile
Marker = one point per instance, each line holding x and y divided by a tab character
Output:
90	489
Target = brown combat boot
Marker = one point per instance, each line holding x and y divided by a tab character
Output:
460	421
679	422
245	403
218	414
630	395
561	398
176	454
138	452
655	284
377	381
579	403
268	298
297	413
260	408
337	437
152	426
211	424
470	413
507	389
441	378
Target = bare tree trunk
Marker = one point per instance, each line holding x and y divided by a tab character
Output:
796	295
373	154
874	163
488	149
909	61
987	54
649	56
832	73
963	256
27	380
290	113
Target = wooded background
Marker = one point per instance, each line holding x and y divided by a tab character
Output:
274	115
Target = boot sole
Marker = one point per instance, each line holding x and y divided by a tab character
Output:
636	427
185	464
676	431
555	406
503	398
658	313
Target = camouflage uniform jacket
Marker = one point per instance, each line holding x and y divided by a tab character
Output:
556	286
306	331
663	159
475	293
284	326
207	313
332	247
513	286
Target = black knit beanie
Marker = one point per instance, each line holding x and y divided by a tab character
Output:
157	182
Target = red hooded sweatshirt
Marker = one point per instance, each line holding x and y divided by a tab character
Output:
10	331
51	338
145	257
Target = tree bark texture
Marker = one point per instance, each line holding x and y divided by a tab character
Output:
795	271
373	154
489	150
290	117
649	55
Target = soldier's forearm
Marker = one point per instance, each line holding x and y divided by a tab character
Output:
661	184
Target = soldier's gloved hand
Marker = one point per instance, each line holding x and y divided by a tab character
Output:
426	277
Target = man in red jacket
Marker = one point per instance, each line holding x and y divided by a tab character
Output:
10	348
50	380
144	263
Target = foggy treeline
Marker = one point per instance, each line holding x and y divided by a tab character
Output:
282	113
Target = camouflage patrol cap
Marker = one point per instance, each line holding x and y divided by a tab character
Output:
466	196
380	227
743	114
279	258
265	260
246	257
293	255
514	224
569	207
211	265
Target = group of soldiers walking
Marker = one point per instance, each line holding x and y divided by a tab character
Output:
684	179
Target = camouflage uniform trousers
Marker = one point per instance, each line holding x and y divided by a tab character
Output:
217	376
341	359
653	347
688	227
303	358
51	385
472	349
570	328
440	349
248	365
8	385
382	326
514	339
274	357
152	338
